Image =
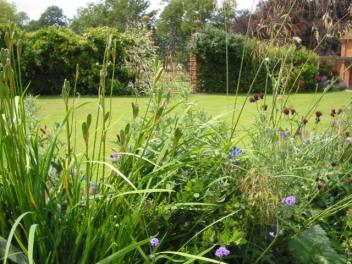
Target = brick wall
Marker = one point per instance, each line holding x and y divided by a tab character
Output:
193	71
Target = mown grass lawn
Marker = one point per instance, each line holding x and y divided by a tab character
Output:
52	108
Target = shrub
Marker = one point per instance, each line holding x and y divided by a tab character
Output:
50	56
210	48
47	58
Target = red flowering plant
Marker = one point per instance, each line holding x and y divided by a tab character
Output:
301	84
286	111
334	72
256	97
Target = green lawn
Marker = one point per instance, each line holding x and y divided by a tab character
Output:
52	108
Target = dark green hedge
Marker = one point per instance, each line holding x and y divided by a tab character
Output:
210	48
50	56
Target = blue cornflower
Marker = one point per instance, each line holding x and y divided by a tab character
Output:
284	134
154	242
235	152
289	200
222	252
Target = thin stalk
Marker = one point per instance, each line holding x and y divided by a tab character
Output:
227	49
73	121
233	129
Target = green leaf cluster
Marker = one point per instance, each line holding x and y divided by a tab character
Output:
314	246
50	55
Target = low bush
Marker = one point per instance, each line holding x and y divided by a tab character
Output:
260	62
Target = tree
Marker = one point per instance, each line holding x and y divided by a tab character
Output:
178	21
119	14
318	24
8	12
170	33
23	18
93	15
53	16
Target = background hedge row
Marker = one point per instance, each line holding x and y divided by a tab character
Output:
50	55
210	48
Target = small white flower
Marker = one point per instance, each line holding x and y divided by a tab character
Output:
266	59
298	40
349	140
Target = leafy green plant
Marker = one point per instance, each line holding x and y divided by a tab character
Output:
314	246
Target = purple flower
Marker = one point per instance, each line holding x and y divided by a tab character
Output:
222	252
154	242
284	134
115	156
289	200
235	152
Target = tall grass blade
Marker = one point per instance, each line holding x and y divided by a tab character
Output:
121	253
12	233
15	255
31	243
116	171
193	257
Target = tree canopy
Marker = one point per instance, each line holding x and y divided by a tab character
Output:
52	16
8	13
177	22
119	14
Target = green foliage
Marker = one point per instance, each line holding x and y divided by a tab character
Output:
314	246
170	176
311	166
52	16
119	14
8	12
48	54
177	22
137	195
46	62
256	74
